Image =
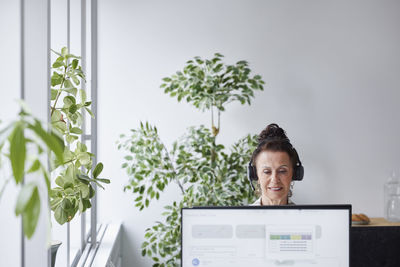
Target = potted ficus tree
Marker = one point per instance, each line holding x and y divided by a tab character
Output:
27	141
205	172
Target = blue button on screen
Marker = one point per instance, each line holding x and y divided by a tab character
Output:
195	262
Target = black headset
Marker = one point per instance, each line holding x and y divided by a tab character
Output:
298	171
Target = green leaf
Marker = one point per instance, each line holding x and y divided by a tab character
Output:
64	211
97	170
18	152
69	101
90	112
56	200
64	51
56	79
73	108
56	116
84	179
91	191
30	216
52	141
68	84
106	181
75	79
28	205
84	158
35	166
25	194
72	90
71	138
84	190
86	203
54	94
81	147
83	95
98	184
58	64
69	175
76	130
81	206
46	177
72	56
75	63
60	181
60	126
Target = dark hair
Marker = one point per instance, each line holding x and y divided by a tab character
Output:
273	138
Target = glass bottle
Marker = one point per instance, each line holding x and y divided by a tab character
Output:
392	198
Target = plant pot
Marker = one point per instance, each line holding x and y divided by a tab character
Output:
54	247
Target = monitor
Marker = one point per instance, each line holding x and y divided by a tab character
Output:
260	236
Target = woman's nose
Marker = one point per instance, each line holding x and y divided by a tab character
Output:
274	177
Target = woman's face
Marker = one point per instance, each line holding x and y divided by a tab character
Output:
275	172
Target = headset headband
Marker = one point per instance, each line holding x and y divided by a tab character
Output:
275	139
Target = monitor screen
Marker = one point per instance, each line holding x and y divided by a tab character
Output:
266	236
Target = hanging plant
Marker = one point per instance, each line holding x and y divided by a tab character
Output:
75	175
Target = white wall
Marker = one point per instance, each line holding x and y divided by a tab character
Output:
35	79
331	69
10	226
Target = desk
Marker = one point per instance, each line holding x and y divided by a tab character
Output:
378	222
376	244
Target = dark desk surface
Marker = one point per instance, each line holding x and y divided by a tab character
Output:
375	245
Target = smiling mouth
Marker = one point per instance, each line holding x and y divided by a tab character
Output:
275	189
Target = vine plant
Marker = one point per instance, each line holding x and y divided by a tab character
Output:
205	172
74	176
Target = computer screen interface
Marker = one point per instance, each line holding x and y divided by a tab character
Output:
260	237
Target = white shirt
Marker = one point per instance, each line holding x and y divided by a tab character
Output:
258	202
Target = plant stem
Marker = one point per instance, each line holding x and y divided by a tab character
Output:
69	161
176	180
59	93
219	115
212	116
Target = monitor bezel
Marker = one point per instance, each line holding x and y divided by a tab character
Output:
347	207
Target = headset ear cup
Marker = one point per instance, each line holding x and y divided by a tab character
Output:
251	175
251	172
298	173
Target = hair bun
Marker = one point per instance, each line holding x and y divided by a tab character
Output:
272	131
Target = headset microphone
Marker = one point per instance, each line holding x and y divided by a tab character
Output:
251	175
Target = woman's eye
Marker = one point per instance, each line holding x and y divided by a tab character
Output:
267	172
282	171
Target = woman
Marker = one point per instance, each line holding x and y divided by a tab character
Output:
274	164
